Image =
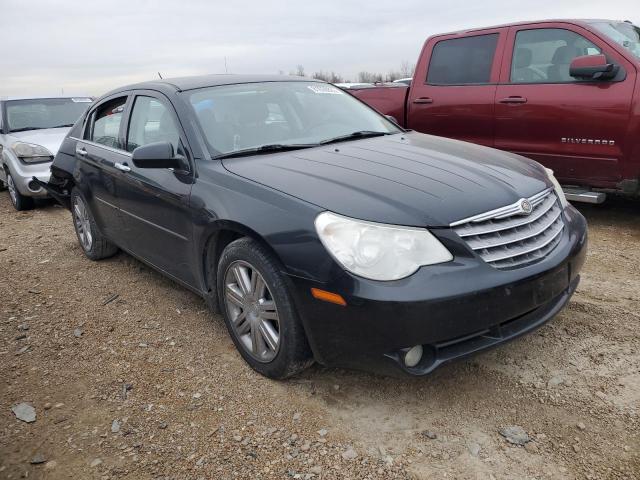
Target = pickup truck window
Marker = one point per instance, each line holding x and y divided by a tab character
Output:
462	61
623	33
543	55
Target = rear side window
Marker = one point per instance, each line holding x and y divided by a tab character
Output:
462	61
151	122
543	55
106	123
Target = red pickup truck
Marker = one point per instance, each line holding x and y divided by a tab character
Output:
562	92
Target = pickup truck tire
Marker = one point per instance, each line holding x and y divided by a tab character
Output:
20	202
259	312
94	245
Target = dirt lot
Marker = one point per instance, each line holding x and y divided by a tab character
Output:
149	386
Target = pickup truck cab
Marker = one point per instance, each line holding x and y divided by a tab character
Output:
561	92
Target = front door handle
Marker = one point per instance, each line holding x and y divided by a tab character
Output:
81	151
423	100
123	167
514	99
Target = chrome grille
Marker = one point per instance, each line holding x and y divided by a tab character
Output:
506	239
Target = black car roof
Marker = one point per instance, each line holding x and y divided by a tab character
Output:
202	81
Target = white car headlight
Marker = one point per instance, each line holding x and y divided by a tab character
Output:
378	251
557	188
31	153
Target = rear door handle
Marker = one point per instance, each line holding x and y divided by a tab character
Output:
423	100
514	99
81	151
123	167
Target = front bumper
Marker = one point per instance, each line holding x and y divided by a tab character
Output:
24	175
453	310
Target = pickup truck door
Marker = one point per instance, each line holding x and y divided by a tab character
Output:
575	127
453	89
154	202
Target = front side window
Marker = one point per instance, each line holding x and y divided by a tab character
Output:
623	33
462	61
252	115
106	123
38	114
544	55
151	122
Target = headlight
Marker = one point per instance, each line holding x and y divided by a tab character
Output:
378	251
557	188
31	153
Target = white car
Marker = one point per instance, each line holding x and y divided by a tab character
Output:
31	131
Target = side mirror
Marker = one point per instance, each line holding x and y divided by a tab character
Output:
593	67
156	155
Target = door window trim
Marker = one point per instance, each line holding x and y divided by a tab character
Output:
498	51
87	128
172	111
511	39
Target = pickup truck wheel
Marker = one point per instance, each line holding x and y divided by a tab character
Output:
259	312
20	202
93	244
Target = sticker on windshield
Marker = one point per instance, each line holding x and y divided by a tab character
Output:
320	88
81	100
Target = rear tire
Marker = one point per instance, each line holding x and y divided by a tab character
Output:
94	245
259	312
19	201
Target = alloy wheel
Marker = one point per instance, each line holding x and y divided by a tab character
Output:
13	194
83	223
252	311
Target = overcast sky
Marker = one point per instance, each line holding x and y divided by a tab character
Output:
89	47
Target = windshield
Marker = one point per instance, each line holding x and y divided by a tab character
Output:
623	33
252	115
36	114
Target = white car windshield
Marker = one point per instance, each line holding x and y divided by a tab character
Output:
248	116
37	114
623	33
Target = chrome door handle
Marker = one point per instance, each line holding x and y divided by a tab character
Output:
81	151
514	99
423	100
122	167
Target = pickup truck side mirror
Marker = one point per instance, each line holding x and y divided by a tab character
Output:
593	67
157	155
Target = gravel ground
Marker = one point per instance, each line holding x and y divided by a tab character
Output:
131	378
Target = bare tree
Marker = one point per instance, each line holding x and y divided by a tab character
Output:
300	71
368	77
321	76
332	77
407	69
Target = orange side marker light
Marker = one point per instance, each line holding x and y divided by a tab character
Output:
328	297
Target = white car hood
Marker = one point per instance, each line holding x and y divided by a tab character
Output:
50	138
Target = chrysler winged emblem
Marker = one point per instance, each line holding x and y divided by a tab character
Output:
525	207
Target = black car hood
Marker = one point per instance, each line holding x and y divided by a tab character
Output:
403	179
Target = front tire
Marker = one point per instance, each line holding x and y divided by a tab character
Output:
19	201
259	312
93	244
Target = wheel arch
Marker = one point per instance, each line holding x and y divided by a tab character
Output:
216	238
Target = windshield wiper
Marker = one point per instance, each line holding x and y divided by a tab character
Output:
63	126
356	136
275	147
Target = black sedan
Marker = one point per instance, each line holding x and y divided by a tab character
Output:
319	228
